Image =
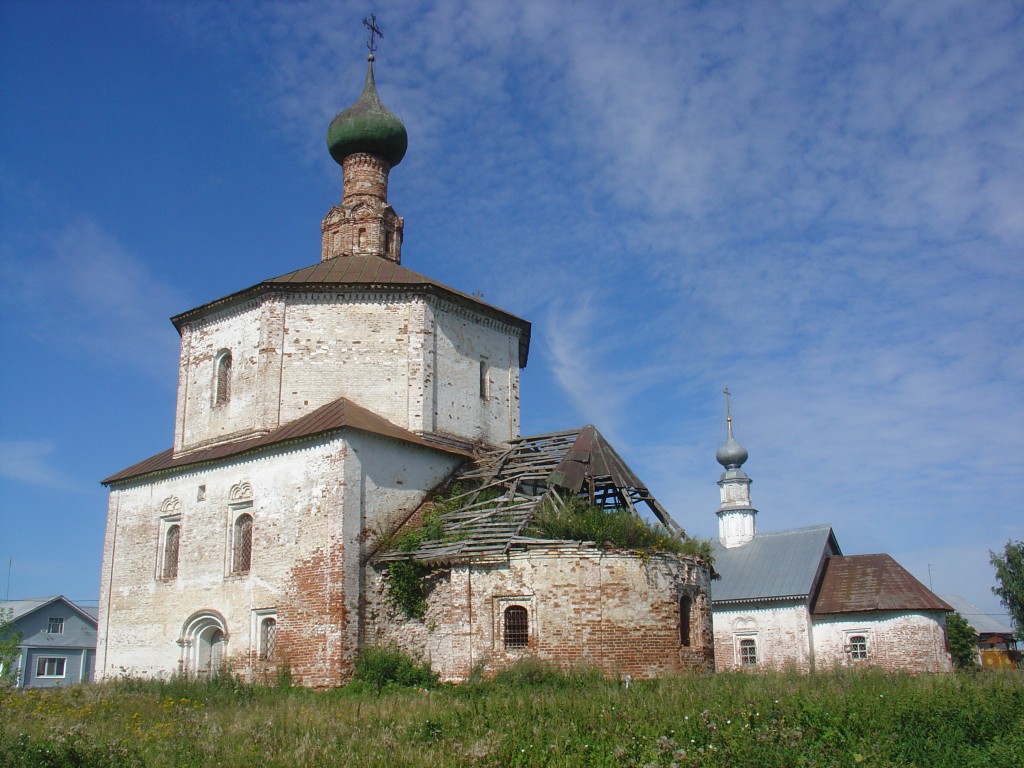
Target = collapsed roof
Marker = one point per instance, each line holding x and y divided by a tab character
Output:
527	473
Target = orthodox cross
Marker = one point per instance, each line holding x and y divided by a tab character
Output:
728	394
371	24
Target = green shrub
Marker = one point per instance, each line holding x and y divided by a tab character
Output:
380	666
531	672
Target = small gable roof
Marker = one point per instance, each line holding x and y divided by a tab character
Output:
364	273
21	608
780	565
981	622
340	414
872	583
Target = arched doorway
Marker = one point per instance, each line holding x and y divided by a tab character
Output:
203	643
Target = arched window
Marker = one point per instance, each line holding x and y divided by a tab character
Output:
748	652
857	648
171	541
268	638
222	380
241	549
685	607
516	627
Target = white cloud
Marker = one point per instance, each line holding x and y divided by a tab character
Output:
84	294
28	461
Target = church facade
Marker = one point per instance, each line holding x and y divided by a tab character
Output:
791	599
316	413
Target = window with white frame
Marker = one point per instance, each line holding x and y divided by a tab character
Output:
55	626
268	638
748	652
50	666
857	647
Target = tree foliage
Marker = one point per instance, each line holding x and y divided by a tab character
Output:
9	640
1010	574
963	642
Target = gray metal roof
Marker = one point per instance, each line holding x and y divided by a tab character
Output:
772	566
983	623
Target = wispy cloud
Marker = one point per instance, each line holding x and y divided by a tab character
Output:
101	302
28	461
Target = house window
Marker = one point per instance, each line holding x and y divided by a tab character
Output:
172	539
517	627
241	548
268	639
222	379
857	648
50	666
685	608
748	652
485	381
55	626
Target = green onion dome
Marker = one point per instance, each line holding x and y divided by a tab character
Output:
367	126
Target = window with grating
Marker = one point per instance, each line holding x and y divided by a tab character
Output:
858	648
748	653
685	608
517	627
242	549
171	541
268	639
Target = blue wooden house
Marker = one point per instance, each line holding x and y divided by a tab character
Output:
58	641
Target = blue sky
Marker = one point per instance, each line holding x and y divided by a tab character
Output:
819	204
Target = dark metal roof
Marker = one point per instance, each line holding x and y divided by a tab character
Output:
527	473
772	566
340	414
872	583
350	273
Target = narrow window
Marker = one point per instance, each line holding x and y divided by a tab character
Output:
222	384
387	242
362	237
517	627
748	653
685	604
55	626
50	666
485	381
242	545
858	648
268	639
171	541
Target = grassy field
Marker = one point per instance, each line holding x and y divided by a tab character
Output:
529	718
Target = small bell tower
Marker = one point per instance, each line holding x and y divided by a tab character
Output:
735	513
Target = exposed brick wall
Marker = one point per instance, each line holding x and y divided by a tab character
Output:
310	503
781	631
615	611
911	641
788	637
363	224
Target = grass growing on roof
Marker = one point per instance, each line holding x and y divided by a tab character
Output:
576	520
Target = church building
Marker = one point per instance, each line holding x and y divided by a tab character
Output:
319	414
791	599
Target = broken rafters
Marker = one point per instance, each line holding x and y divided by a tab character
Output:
529	472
